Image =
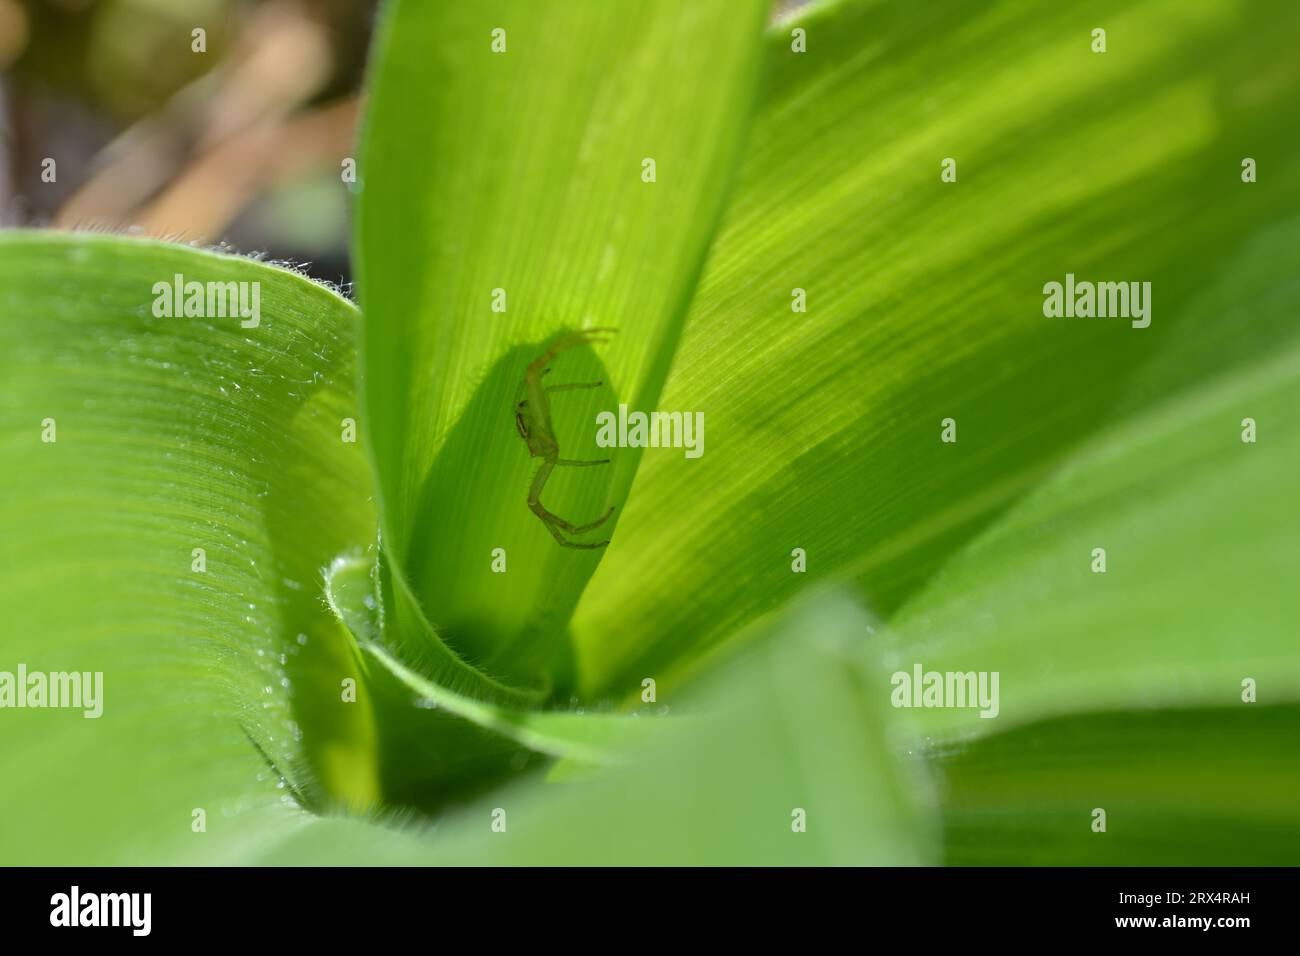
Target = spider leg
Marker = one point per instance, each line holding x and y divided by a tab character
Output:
563	525
592	526
569	388
554	523
594	336
581	463
551	520
578	544
555	533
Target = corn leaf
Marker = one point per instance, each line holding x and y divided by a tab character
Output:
1209	787
925	298
160	525
518	177
786	761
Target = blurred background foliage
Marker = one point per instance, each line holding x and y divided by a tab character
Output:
242	143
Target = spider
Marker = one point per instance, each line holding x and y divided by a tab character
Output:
533	419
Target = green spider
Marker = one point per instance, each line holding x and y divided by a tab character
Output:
533	419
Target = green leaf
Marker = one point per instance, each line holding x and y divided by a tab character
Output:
222	683
220	687
586	737
784	727
925	298
1197	595
1213	787
522	171
590	737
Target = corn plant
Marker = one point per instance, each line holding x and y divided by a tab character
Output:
986	555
